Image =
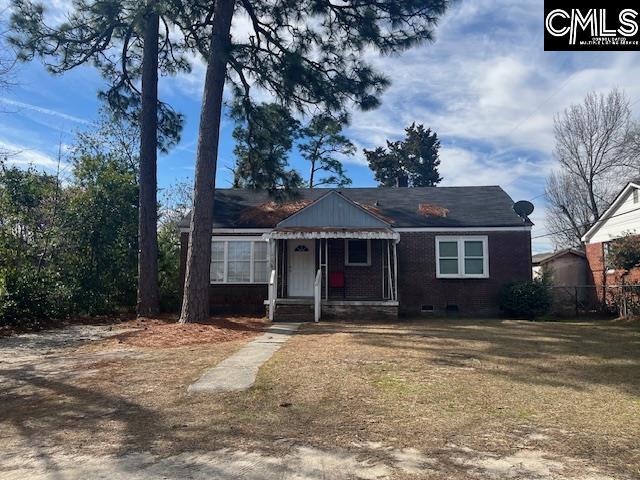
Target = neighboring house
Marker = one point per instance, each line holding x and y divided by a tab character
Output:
566	267
568	272
366	251
620	219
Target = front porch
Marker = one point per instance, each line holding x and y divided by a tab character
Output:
332	274
333	259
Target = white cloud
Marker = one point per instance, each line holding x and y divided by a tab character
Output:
460	166
42	110
56	10
26	156
487	79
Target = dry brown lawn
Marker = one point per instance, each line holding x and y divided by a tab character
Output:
465	394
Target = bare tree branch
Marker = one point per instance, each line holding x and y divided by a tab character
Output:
598	148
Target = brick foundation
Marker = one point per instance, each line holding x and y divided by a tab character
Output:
357	312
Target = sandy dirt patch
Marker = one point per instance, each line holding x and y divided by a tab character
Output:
373	461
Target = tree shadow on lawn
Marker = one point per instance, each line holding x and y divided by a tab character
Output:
46	415
48	410
577	355
50	414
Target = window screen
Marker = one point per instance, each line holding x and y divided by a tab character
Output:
260	262
473	257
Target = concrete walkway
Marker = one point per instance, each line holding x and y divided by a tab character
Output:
238	372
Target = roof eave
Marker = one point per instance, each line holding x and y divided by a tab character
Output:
607	213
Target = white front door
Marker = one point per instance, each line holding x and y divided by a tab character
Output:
302	263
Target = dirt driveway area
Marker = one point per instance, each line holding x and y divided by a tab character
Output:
435	399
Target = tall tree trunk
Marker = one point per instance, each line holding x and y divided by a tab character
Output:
195	301
311	175
148	290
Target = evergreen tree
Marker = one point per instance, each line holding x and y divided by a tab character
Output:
414	159
264	137
69	246
306	52
323	141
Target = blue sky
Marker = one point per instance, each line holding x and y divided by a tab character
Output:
486	86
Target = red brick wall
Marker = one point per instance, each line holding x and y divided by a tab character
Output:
600	276
238	298
361	283
595	260
509	260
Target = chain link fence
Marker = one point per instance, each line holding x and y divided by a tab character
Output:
594	300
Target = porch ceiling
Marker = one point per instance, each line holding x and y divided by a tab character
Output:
371	233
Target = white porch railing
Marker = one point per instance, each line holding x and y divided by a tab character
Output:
272	295
317	291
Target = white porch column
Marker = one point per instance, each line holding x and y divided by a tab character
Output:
275	267
391	282
395	268
326	269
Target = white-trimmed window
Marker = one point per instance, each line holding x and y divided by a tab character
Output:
357	253
462	257
239	260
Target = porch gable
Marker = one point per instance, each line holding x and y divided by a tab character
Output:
333	210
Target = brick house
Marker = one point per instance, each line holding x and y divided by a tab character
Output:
620	219
365	251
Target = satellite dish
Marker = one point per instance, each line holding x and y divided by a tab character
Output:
523	208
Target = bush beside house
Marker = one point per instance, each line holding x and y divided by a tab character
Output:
70	247
529	300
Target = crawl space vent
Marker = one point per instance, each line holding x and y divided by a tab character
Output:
452	308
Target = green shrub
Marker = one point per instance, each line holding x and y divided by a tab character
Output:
624	253
169	267
528	299
28	299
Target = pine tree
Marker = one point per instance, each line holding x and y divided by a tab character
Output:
306	52
323	142
414	159
264	137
